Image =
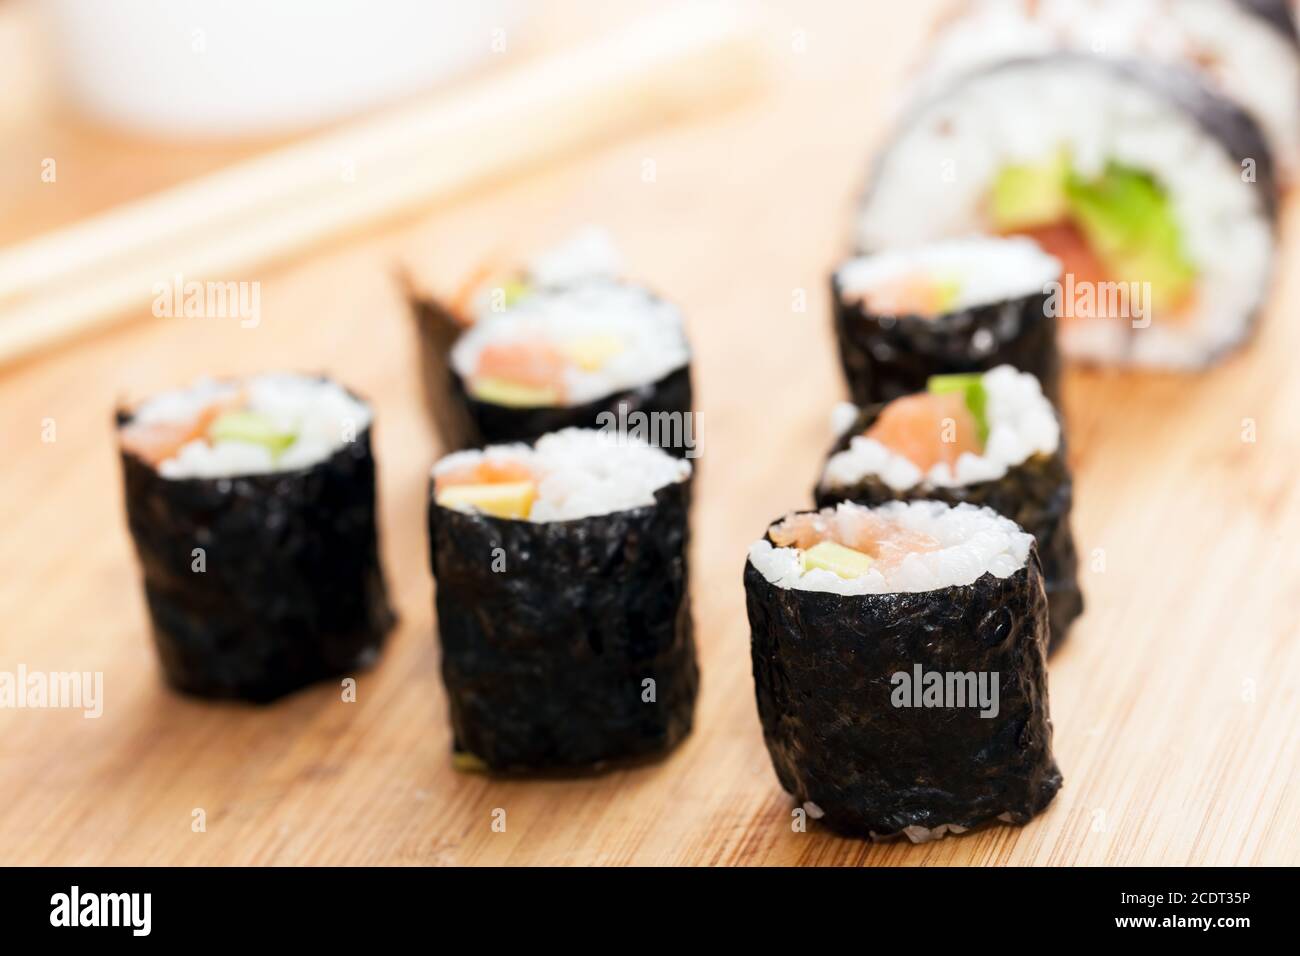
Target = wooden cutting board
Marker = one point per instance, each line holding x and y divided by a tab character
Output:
1176	701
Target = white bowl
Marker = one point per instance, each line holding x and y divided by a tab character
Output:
220	68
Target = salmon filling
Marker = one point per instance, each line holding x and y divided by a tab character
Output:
928	428
535	372
500	487
486	472
917	293
155	442
1114	233
884	543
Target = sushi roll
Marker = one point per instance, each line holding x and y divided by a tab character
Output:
1156	195
563	344
990	439
899	660
252	508
961	305
562	601
1246	50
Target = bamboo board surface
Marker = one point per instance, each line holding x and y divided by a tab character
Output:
1176	701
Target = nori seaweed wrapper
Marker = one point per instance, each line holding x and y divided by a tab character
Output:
1221	119
1036	494
887	356
1278	14
292	591
544	658
823	672
463	421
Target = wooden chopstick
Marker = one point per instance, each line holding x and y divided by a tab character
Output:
689	58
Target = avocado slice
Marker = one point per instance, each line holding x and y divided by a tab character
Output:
591	352
836	558
466	762
254	428
971	384
1030	195
1130	225
947	293
498	391
514	289
507	499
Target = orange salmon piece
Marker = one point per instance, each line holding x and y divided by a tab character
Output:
885	541
533	364
916	294
158	441
800	531
916	427
485	473
1066	242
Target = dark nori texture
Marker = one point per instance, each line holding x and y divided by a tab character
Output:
544	661
1037	495
822	671
1234	129
1277	13
292	593
887	356
465	422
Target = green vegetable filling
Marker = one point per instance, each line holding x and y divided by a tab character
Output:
513	290
836	558
1031	195
971	385
1124	215
254	428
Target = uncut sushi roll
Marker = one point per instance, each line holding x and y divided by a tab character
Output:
961	305
1246	50
991	439
563	344
252	506
856	614
1156	195
563	601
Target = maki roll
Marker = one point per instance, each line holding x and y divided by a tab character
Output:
563	603
252	507
1156	195
563	344
900	666
1246	50
961	305
990	439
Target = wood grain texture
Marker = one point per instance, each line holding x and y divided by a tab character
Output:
1176	701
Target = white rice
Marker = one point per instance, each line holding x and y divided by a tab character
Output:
974	541
651	330
1021	421
843	417
321	413
1245	58
986	270
582	472
589	253
935	179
